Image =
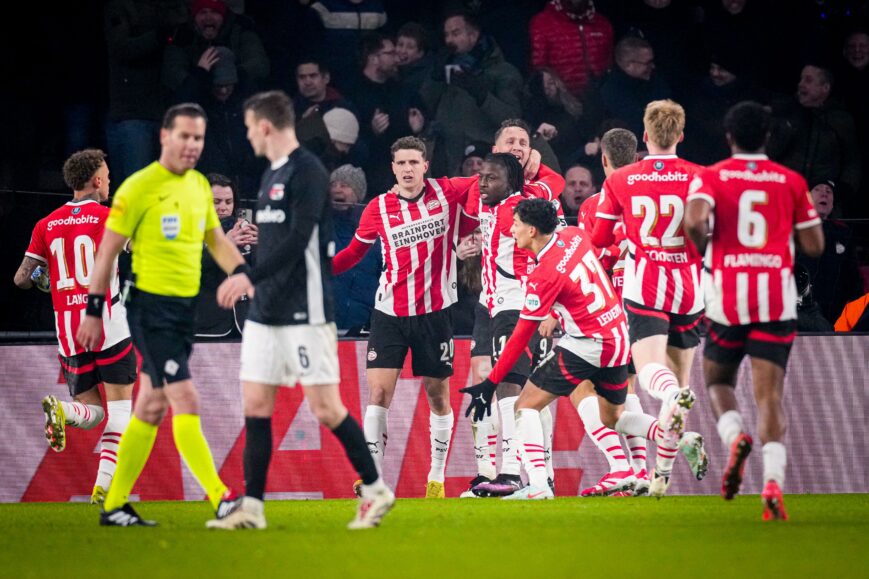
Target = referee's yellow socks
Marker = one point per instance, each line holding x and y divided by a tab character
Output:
191	443
133	451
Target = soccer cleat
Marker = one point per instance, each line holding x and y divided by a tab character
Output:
610	483
371	510
732	478
470	494
124	516
674	413
659	484
691	447
503	485
642	486
773	502
248	515
357	488
229	502
98	497
55	423
530	493
434	490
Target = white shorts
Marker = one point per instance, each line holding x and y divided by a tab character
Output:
290	355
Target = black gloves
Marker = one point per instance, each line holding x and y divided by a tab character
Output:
481	399
474	84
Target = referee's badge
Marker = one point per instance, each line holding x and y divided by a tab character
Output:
276	193
170	226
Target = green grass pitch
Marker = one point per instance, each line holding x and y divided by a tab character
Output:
604	538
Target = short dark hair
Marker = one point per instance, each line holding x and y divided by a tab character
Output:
274	106
81	166
316	61
220	180
412	143
192	110
371	43
824	68
417	32
507	123
515	175
538	213
470	20
748	124
619	146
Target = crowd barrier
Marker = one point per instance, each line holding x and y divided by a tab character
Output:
826	400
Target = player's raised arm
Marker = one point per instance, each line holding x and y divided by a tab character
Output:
25	270
91	329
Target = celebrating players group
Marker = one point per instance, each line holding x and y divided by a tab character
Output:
665	247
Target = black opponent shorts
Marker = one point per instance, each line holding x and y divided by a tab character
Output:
503	325
771	341
481	339
162	330
429	337
682	331
115	365
562	372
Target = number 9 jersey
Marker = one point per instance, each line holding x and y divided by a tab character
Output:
66	241
662	267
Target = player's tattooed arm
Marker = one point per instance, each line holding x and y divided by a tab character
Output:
25	270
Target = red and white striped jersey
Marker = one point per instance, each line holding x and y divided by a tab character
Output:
418	237
756	203
547	184
505	266
612	258
570	279
662	269
66	241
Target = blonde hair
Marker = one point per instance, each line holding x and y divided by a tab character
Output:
664	122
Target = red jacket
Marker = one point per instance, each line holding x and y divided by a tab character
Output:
566	46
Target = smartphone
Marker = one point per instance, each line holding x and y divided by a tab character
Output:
246	214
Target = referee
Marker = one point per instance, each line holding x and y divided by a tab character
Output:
167	210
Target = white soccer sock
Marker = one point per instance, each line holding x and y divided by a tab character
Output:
637	424
374	426
775	461
529	436
84	416
116	424
485	446
440	433
730	425
509	448
546	424
605	439
659	381
636	445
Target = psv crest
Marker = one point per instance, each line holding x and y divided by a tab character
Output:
276	193
76	210
659	165
433	204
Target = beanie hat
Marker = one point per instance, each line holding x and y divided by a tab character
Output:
342	126
476	149
352	176
223	71
216	5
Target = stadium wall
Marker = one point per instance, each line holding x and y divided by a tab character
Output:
827	388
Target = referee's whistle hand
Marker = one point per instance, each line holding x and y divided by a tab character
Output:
232	289
90	332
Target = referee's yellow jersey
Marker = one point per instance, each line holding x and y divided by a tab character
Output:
166	215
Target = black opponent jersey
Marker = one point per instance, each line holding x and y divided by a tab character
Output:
293	272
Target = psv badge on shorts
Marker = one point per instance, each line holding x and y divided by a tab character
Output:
170	225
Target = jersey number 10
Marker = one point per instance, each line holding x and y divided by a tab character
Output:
83	261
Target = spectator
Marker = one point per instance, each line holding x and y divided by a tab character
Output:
345	23
835	275
579	185
213	26
387	110
852	89
817	138
573	39
413	50
472	87
555	114
809	316
855	316
632	83
137	31
213	321
315	94
355	288
472	161
739	28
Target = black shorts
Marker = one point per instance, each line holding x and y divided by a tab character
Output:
162	330
115	365
481	339
682	330
429	337
769	341
503	325
563	371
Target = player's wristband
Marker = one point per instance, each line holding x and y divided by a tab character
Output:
242	268
95	305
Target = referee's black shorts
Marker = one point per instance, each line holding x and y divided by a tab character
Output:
162	330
